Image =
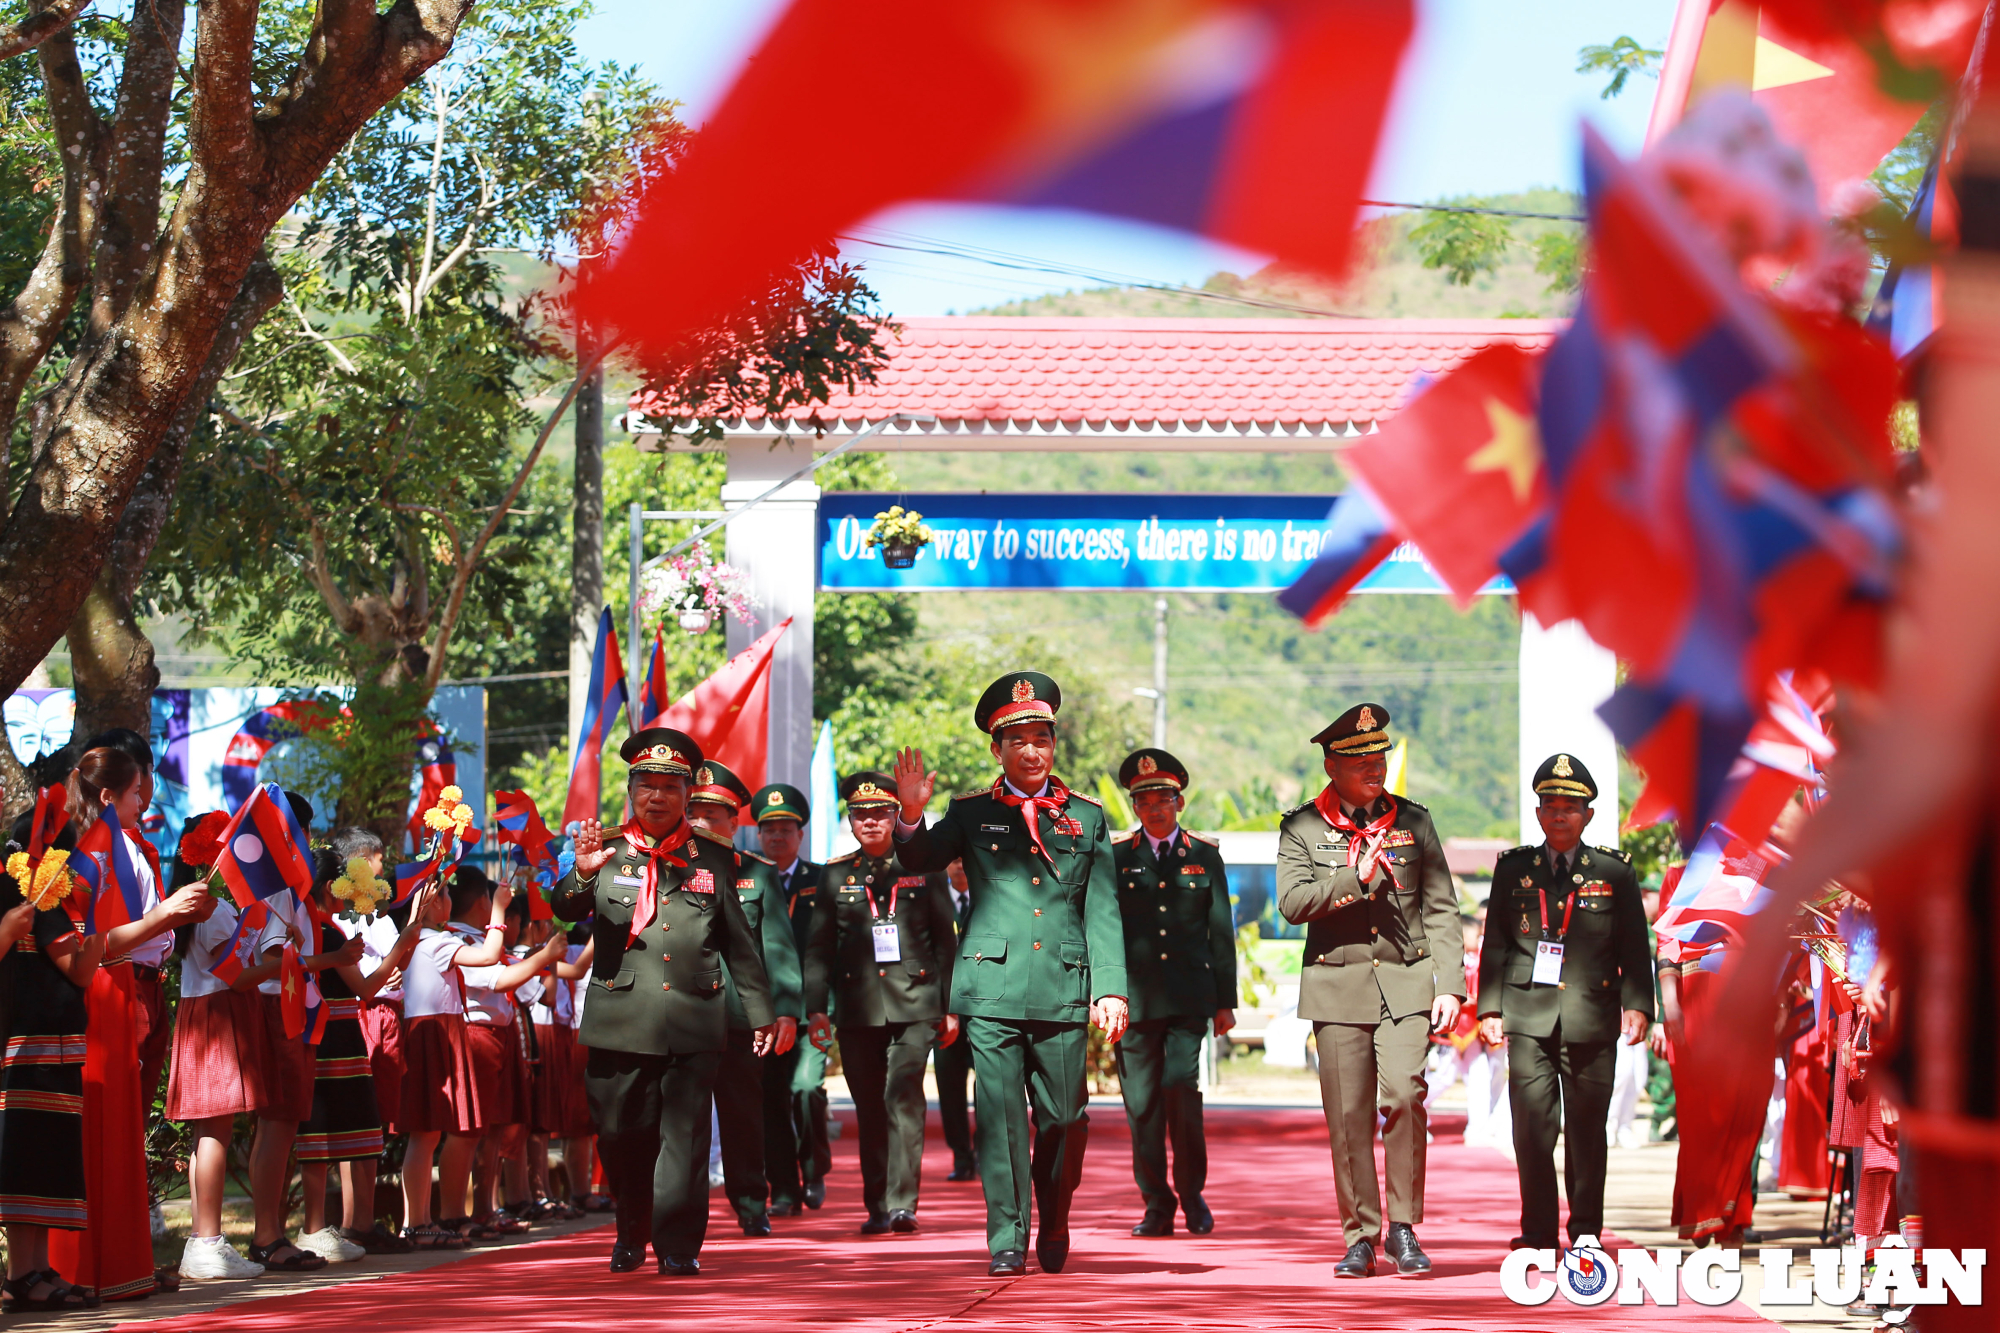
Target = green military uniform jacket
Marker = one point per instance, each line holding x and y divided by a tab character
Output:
763	901
1606	966
840	958
1041	941
661	994
1396	940
1180	936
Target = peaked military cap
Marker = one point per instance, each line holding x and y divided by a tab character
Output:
661	750
1362	729
1150	767
869	788
1017	697
1565	775
779	800
714	782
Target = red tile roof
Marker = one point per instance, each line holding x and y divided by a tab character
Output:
1265	371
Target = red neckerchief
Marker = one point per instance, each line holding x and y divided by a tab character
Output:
635	838
1052	799
1364	844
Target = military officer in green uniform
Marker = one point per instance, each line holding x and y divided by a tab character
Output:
797	1152
1043	953
1383	968
1564	973
714	803
664	921
1180	963
882	942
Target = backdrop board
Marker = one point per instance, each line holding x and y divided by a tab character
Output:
1097	543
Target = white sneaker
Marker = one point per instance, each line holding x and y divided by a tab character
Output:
213	1259
331	1246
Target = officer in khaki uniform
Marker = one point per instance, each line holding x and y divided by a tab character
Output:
1180	962
663	921
1042	954
882	941
1564	972
797	1151
1383	968
714	804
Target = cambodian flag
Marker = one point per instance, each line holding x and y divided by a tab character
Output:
1357	539
103	861
408	877
241	952
517	821
601	707
437	768
654	699
264	851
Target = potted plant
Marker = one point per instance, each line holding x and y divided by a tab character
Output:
901	534
691	589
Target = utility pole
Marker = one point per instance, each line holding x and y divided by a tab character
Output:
1160	673
586	599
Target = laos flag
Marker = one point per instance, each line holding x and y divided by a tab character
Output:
264	850
103	861
607	698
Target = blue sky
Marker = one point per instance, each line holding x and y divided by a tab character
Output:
1489	101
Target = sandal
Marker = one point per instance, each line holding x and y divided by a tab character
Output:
62	1295
299	1261
541	1210
470	1229
167	1277
378	1239
503	1223
431	1236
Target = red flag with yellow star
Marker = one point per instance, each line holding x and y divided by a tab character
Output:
1459	470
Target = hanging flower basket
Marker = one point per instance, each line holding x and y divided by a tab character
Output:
901	534
691	590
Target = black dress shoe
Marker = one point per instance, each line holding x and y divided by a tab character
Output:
1155	1224
627	1258
789	1208
876	1225
963	1168
903	1220
1359	1262
1007	1263
1199	1220
1411	1261
816	1194
680	1265
1052	1248
1523	1243
757	1226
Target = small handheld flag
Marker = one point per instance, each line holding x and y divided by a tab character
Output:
1357	539
264	849
292	992
517	821
241	952
103	862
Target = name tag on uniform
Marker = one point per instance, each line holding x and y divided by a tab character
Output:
1548	963
1330	847
888	942
910	882
701	881
630	881
1400	837
996	828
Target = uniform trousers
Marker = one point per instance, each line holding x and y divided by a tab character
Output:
952	1065
1361	1066
1029	1097
885	1075
1555	1084
781	1136
739	1119
652	1115
810	1116
1159	1073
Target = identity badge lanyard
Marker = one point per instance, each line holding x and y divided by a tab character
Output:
1549	952
888	940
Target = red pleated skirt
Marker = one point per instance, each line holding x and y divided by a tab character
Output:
561	1108
222	1056
382	1029
441	1090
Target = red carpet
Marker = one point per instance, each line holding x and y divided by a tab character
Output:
1269	1264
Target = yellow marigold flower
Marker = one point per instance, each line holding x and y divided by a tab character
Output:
19	870
462	815
341	888
436	818
359	869
52	879
450	796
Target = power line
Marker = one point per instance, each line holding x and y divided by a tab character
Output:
1469	208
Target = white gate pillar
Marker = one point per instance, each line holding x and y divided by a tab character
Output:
1564	677
775	544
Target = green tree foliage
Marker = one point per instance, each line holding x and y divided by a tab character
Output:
1464	245
1621	60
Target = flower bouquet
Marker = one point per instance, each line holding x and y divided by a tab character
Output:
690	589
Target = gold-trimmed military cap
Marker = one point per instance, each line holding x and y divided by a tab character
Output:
714	782
1565	775
1015	698
1362	729
661	750
868	788
1150	767
779	800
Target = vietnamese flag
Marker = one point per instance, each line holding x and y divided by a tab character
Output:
292	992
1459	470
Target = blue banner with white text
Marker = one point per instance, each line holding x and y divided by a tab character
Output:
1097	543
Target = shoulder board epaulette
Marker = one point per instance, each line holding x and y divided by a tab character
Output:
1302	805
1086	796
1516	851
1626	857
1202	838
976	791
1414	805
758	857
715	837
845	857
1120	839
